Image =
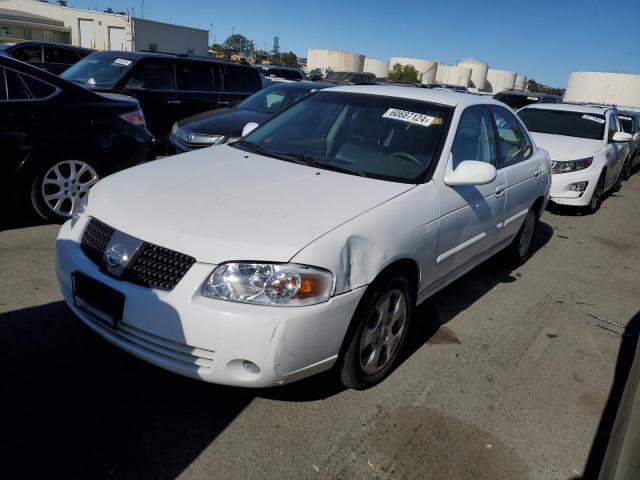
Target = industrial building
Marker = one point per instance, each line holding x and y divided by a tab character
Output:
453	75
334	60
621	89
499	80
40	20
478	72
426	68
521	82
380	68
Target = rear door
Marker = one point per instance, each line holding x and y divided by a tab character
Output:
152	81
470	215
197	89
523	168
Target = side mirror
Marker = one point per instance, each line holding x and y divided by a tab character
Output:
248	128
471	172
621	137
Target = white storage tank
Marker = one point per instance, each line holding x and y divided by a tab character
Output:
521	82
478	72
377	66
426	68
335	60
453	75
620	89
499	80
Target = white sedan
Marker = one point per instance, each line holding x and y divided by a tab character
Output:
308	243
588	149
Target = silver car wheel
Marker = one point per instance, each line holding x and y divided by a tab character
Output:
383	331
64	183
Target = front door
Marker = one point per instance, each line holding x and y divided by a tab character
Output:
470	216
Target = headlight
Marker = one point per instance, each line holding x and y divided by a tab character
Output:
79	206
197	138
571	166
269	284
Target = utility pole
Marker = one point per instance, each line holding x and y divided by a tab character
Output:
142	10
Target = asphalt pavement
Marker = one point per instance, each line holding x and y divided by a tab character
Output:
507	377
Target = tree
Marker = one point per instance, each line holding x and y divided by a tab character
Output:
289	58
403	74
236	42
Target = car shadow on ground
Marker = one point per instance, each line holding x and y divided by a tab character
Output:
21	218
626	356
74	406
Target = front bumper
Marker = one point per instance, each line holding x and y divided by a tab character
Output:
209	339
560	182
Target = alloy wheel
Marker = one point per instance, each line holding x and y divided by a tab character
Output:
66	182
383	331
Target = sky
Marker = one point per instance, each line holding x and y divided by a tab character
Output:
545	42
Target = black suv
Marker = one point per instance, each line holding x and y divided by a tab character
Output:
52	57
517	100
352	78
58	139
279	71
169	87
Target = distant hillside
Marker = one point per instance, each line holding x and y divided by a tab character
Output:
534	86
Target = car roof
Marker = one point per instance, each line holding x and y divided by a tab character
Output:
287	67
49	44
527	94
139	55
569	107
301	85
440	96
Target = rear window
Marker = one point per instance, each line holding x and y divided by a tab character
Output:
99	70
240	79
570	124
37	88
516	101
195	77
29	54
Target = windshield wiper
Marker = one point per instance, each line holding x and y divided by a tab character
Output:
314	162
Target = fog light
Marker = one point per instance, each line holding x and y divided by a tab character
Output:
251	367
577	187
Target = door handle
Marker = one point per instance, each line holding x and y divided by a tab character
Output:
499	190
537	173
174	102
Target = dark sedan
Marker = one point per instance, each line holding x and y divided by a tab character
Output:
58	139
218	126
49	56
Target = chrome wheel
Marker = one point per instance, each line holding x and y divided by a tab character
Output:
64	183
526	236
382	332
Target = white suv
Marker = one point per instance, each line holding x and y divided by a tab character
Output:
309	242
587	146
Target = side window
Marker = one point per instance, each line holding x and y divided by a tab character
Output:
474	137
29	54
153	76
195	77
513	143
240	79
3	86
16	89
60	55
37	88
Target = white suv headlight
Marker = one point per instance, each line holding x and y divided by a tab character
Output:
269	284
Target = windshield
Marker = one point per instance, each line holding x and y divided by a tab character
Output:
5	46
272	100
100	71
339	77
570	124
517	101
375	136
626	123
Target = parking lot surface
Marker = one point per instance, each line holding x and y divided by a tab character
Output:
507	377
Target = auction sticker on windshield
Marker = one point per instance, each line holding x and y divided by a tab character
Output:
593	119
122	61
410	117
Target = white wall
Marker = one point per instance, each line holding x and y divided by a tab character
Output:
169	38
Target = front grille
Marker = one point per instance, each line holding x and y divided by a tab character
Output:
158	267
154	267
95	240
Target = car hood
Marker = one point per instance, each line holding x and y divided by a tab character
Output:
221	203
562	147
223	121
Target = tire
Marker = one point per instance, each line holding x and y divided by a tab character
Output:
618	185
57	185
626	169
596	198
378	337
520	249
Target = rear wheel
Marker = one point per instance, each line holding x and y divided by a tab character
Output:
520	249
58	185
382	321
626	169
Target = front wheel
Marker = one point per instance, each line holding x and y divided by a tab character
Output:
382	321
58	186
596	198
